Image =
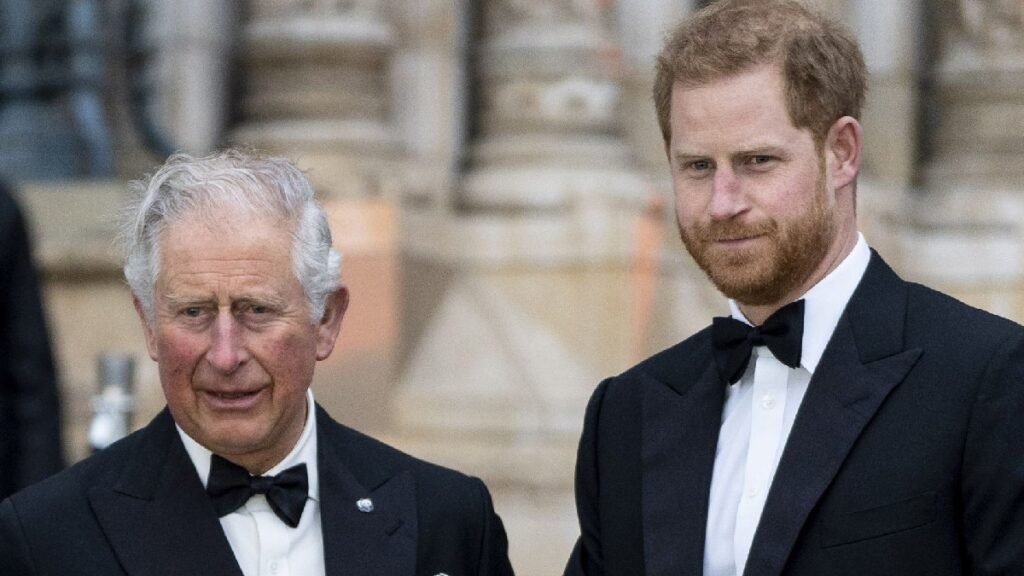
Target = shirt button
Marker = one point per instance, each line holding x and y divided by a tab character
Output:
768	402
274	567
751	493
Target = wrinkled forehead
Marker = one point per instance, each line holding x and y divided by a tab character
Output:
227	213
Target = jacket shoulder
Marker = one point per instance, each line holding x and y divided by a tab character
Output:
945	312
361	451
454	511
70	487
680	363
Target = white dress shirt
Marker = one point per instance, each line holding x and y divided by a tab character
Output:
758	415
262	543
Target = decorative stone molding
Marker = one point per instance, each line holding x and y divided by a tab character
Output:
548	160
980	97
316	86
966	233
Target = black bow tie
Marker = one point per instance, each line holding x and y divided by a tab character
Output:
733	340
230	486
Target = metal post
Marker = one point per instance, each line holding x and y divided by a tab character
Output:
114	403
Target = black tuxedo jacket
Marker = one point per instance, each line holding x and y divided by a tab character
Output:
30	436
138	508
906	457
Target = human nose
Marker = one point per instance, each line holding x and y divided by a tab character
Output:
227	351
727	199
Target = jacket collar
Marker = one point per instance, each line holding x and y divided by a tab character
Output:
368	511
157	516
159	520
863	362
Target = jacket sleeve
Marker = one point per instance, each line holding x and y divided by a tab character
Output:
28	383
993	467
586	557
14	555
493	559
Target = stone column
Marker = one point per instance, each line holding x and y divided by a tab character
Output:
968	225
643	25
197	41
524	298
548	155
315	85
890	36
429	94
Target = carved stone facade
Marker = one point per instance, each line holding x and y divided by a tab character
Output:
315	84
528	275
967	233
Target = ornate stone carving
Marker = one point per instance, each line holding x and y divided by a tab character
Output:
968	231
316	84
548	108
980	97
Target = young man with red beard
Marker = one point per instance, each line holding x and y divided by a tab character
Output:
841	421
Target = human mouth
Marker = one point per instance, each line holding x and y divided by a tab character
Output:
739	241
233	399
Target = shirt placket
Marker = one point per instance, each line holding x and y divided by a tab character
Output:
766	429
274	539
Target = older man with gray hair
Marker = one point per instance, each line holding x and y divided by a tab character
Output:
234	277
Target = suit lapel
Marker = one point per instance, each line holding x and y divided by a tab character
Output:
680	433
157	517
361	542
863	363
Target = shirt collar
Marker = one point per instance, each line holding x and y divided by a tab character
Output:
304	451
824	303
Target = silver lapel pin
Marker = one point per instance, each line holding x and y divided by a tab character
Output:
364	505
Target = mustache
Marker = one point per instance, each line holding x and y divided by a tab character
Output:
732	230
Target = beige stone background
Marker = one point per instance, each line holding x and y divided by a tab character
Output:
495	181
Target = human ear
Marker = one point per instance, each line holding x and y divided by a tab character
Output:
843	145
147	329
329	327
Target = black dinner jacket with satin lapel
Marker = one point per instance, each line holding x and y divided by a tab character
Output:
906	457
138	508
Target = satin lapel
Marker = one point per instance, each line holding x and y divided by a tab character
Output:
863	363
381	541
158	518
680	433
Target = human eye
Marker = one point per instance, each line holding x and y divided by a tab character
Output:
760	161
696	168
255	311
193	313
253	307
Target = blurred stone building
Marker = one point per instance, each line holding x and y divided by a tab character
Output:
496	182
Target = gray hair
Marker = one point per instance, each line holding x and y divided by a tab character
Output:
244	181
